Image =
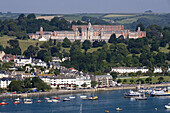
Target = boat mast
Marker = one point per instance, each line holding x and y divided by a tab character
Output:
81	108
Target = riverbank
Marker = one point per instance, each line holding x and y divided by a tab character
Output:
61	92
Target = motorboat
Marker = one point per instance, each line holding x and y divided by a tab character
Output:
46	98
167	106
72	97
141	97
54	100
17	102
132	94
119	109
93	98
38	101
66	99
28	101
163	92
17	99
3	103
49	100
83	96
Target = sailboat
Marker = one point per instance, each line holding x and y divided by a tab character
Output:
141	97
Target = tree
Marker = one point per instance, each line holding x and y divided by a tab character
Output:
161	79
140	81
142	27
15	86
84	85
66	43
27	83
93	83
125	80
14	43
114	75
31	16
119	81
86	45
131	81
112	38
148	80
31	51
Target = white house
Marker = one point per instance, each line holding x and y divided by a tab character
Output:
4	82
4	74
20	61
38	62
2	53
83	80
129	69
105	80
157	70
168	70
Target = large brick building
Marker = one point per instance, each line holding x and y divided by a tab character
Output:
89	32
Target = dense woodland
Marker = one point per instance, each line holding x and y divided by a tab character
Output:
115	52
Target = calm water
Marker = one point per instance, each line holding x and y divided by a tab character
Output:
107	101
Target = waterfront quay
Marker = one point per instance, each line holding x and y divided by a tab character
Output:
62	92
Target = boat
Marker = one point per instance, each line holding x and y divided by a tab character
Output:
83	96
49	100
38	101
46	98
141	97
93	98
3	103
28	101
17	102
66	99
72	97
54	100
167	106
163	92
132	94
119	109
17	99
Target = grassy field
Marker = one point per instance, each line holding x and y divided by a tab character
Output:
114	15
164	49
154	78
24	44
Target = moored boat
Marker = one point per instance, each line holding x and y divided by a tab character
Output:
28	101
3	103
83	96
119	109
38	101
17	102
66	99
141	97
167	106
72	97
46	98
132	94
17	99
56	98
163	92
93	98
49	100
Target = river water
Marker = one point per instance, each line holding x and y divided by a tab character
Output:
108	100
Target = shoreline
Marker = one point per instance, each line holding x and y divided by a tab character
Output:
62	92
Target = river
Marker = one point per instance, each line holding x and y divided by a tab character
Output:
108	100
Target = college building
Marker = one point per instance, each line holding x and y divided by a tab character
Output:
88	32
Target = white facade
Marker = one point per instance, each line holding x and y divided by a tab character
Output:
39	63
2	53
47	80
4	82
157	70
129	69
83	80
22	61
2	75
